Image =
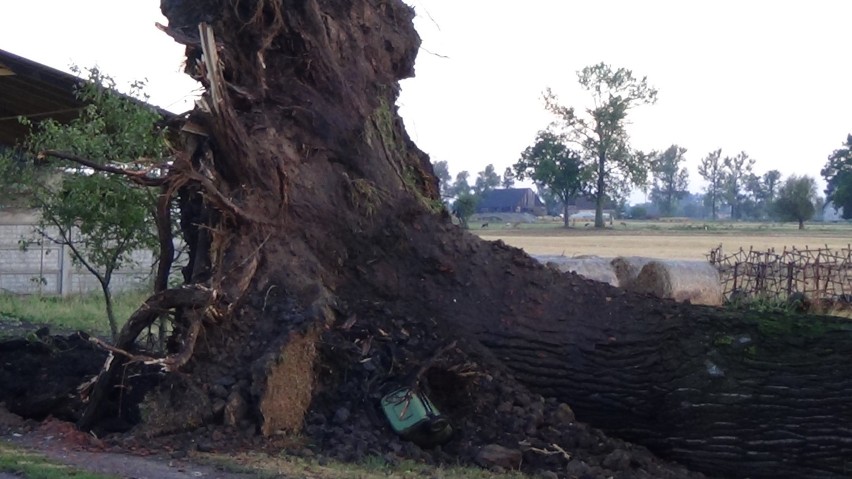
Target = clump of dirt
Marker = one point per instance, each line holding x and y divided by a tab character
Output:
40	374
487	407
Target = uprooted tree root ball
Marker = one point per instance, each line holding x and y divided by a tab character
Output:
323	270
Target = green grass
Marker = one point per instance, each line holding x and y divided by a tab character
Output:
267	466
34	466
86	312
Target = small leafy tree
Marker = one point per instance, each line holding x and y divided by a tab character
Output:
797	200
838	175
670	178
464	207
601	132
711	169
551	163
100	217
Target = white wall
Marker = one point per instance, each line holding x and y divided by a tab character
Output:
47	268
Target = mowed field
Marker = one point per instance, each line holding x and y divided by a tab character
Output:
684	240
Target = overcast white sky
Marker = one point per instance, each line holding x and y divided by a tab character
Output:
771	78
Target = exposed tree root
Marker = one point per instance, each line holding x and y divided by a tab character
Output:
191	297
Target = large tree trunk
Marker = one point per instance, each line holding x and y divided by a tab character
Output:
738	394
600	189
307	207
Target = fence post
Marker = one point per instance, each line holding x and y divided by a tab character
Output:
736	270
789	279
816	294
65	271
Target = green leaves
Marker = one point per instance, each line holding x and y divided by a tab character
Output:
711	170
797	199
838	174
465	207
736	171
671	179
101	217
486	180
111	129
601	133
550	163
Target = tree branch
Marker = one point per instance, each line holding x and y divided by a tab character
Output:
138	177
66	240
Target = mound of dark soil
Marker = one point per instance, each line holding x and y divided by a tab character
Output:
498	424
40	374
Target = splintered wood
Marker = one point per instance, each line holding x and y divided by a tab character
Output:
819	274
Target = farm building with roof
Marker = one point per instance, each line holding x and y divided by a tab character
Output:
511	200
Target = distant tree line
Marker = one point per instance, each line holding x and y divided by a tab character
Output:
588	155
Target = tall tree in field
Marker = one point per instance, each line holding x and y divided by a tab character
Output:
486	180
712	170
508	178
670	179
771	181
601	131
736	172
99	217
442	172
551	163
751	204
760	193
460	186
797	200
322	272
838	175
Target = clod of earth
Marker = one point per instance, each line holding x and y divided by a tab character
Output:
320	271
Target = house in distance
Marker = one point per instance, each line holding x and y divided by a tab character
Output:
511	200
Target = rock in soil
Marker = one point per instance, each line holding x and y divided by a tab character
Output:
496	455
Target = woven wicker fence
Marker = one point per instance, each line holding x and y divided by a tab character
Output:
819	274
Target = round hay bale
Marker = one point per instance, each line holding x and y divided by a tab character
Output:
594	268
627	269
693	281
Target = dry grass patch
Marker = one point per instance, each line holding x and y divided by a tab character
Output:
668	245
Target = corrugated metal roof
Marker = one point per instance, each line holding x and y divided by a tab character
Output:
33	90
37	91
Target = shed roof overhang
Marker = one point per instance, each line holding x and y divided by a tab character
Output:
33	90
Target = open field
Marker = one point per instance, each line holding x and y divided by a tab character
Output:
686	240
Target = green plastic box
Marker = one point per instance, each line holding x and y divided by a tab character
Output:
415	418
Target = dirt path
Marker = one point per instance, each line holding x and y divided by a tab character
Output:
134	467
60	442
